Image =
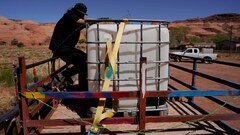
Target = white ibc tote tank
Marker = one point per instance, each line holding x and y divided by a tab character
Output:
138	40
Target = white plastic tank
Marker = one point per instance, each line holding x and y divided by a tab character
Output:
144	40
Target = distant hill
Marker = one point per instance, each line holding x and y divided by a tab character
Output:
26	31
33	33
211	25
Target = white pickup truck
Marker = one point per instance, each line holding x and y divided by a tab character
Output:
206	55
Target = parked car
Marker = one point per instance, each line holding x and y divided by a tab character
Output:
206	55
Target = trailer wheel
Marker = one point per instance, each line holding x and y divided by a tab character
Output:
12	128
206	60
177	59
14	131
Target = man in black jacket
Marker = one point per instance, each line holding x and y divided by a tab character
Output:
65	37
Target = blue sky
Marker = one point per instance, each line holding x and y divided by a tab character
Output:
170	10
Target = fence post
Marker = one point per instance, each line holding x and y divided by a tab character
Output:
194	72
193	77
142	92
23	104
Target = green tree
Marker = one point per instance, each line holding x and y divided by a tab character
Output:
195	40
229	29
219	37
178	34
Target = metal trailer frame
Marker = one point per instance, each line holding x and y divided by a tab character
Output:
192	86
31	123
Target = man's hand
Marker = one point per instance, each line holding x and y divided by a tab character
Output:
90	22
81	21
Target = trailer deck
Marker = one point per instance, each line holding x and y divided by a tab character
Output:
175	108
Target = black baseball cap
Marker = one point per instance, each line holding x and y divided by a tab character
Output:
81	8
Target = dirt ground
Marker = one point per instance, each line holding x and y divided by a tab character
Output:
226	72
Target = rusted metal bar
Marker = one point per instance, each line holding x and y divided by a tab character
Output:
36	109
54	104
142	92
130	120
24	114
43	113
34	86
22	85
87	121
38	84
40	62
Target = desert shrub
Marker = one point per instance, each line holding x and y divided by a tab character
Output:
6	77
20	44
14	42
2	43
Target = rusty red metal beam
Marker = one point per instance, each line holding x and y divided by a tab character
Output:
71	95
67	122
23	105
39	83
142	97
36	108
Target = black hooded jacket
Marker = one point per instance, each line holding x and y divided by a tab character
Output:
66	32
